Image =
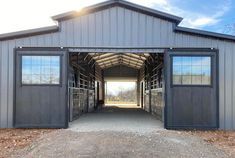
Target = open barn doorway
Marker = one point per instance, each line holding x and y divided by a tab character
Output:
122	83
121	93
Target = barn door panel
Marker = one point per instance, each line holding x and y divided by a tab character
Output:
41	88
191	89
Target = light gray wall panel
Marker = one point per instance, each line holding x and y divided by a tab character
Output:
121	26
113	27
84	33
128	27
106	27
135	28
77	31
99	30
10	81
228	87
4	84
0	83
233	92
221	83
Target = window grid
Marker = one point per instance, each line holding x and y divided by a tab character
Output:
191	70
40	69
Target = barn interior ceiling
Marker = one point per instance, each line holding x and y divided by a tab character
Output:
107	60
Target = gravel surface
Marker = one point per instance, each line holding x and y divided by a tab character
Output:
119	133
12	140
224	140
160	144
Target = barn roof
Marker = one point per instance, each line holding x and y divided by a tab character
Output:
111	3
121	3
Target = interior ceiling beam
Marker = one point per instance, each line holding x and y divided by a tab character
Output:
133	59
103	56
109	63
107	58
128	65
119	56
109	66
129	61
134	66
139	56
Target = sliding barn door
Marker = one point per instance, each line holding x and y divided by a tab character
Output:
40	88
191	89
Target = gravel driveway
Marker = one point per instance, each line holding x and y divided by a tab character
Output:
120	133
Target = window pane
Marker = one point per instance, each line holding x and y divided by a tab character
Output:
45	70
36	79
187	79
40	69
186	70
197	61
26	60
45	79
206	61
54	79
177	61
192	70
36	70
46	60
196	74
206	72
186	61
26	79
36	60
26	69
177	79
55	70
177	70
55	61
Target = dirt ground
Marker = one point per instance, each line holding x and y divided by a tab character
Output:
161	144
116	132
60	143
224	140
12	140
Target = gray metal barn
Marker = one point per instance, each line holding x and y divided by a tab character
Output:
185	76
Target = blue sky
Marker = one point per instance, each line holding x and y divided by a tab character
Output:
211	15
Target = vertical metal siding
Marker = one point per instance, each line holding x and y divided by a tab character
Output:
4	83
1	83
120	27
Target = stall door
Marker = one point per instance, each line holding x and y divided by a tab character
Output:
191	89
40	89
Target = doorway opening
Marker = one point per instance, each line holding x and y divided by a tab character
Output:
115	80
121	93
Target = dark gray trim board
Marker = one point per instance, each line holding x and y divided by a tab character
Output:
204	33
31	32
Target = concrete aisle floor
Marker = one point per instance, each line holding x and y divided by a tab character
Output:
117	118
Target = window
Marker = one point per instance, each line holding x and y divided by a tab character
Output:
40	69
191	70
